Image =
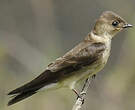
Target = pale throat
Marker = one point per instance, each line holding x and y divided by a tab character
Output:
103	38
106	39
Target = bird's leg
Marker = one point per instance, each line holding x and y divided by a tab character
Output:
79	95
82	92
84	88
87	80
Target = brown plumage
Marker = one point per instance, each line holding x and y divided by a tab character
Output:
62	67
85	59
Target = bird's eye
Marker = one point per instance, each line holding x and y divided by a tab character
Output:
115	23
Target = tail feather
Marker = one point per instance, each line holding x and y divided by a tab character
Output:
47	77
43	79
20	97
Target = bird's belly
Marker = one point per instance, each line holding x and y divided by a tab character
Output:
82	74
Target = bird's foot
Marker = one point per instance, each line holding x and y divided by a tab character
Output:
79	95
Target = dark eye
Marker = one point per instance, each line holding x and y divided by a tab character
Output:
115	23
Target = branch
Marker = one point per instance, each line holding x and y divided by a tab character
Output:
81	98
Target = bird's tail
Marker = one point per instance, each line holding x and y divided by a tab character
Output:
20	97
27	90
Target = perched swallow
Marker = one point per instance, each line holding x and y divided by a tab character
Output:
83	61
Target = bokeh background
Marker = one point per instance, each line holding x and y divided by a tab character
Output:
36	32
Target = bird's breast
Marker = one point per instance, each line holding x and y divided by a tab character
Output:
106	52
83	73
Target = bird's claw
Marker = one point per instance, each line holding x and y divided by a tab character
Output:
80	96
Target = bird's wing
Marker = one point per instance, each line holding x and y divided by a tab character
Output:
83	54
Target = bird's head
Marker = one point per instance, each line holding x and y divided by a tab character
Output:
110	24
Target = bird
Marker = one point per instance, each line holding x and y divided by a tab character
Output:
85	60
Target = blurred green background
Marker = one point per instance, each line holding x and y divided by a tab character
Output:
36	32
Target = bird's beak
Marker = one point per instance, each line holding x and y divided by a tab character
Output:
127	26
